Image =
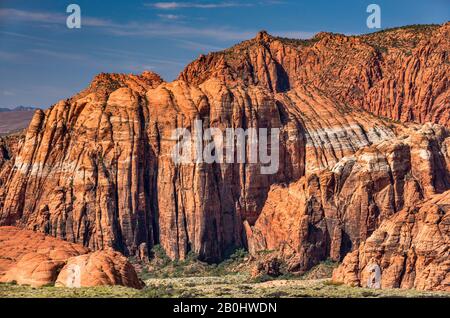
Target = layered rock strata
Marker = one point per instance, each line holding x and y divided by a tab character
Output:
328	213
411	249
96	169
30	258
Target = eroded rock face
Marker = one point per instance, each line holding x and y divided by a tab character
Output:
411	248
98	269
27	257
35	259
329	213
9	147
401	74
33	269
267	266
110	180
96	169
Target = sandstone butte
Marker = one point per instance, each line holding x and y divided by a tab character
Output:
364	158
36	259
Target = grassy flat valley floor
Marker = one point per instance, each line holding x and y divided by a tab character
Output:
230	286
232	278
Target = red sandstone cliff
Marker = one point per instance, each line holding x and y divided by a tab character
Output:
400	73
411	248
96	169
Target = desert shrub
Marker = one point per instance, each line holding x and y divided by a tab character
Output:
368	294
277	294
159	253
262	278
239	255
333	283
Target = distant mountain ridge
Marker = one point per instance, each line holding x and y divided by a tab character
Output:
17	109
13	120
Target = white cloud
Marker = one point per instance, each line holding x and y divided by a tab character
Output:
170	16
118	53
175	30
126	29
8	56
198	46
58	54
153	29
8	93
31	16
138	67
197	5
50	18
25	36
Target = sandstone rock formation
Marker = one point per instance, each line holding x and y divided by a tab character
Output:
328	213
267	266
98	268
399	73
35	259
411	248
9	147
96	169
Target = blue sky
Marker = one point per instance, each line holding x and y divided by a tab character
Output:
42	61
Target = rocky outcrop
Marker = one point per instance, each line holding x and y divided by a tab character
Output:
411	250
97	169
328	213
35	259
110	180
400	73
9	147
98	269
266	266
